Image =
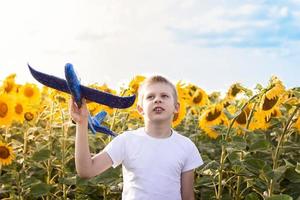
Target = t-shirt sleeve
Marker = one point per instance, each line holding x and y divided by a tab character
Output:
116	150
193	159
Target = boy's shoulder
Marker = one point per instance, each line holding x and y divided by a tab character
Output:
131	133
181	138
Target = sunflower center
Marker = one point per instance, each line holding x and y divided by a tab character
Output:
269	103
18	108
226	104
211	116
198	97
235	90
28	116
242	118
3	109
4	152
28	92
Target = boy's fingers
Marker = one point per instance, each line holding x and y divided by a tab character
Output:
83	101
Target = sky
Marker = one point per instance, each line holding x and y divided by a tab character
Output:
210	43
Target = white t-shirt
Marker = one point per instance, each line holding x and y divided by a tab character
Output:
151	166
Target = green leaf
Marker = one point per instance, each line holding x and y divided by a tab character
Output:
254	164
297	169
41	155
252	196
40	189
258	87
260	145
279	172
292	175
280	197
68	180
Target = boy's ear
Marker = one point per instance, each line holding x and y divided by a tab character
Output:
177	106
140	109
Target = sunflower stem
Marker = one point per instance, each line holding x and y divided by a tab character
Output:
278	147
49	168
124	124
224	152
6	134
25	143
239	178
113	121
63	157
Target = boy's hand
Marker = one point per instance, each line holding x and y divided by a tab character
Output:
78	115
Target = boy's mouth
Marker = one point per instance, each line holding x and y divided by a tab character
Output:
158	109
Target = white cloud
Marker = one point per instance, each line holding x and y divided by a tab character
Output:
114	40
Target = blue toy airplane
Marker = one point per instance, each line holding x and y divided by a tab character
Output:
72	86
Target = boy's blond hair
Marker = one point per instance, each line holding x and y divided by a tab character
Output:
152	80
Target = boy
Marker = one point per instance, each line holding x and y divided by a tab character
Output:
157	162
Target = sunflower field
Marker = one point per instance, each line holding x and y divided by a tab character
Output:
249	140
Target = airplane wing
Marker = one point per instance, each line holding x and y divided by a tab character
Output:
87	93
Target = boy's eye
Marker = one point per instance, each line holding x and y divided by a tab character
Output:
165	96
150	97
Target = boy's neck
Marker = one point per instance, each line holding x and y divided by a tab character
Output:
158	130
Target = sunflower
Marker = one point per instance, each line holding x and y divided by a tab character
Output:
199	98
275	114
261	122
234	90
290	97
276	88
178	117
267	106
31	92
29	116
135	83
214	97
183	91
20	107
211	117
9	84
241	119
6	154
6	109
258	123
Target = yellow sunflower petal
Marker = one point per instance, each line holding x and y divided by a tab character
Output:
31	92
9	85
178	117
6	109
135	83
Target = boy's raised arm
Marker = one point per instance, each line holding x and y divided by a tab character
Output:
86	166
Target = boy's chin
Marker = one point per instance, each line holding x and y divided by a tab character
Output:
160	119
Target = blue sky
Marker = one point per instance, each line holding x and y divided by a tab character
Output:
209	43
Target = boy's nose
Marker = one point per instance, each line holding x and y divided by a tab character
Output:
157	100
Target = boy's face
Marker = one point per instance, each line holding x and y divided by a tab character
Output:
158	103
